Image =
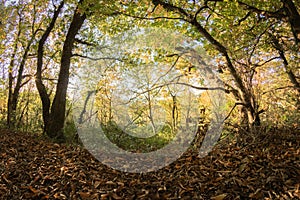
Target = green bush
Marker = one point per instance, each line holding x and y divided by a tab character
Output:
134	144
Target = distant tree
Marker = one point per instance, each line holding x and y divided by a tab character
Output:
24	34
237	34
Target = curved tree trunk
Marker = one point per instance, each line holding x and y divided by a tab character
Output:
54	115
38	80
245	96
54	127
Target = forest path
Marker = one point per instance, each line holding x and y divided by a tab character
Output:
32	168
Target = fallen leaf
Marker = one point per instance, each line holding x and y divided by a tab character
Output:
219	197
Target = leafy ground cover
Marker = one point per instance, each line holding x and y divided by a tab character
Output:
33	168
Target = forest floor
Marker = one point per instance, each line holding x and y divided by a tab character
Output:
34	168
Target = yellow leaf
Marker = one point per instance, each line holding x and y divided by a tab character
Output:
219	197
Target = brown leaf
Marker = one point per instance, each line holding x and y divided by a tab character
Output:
104	196
33	190
40	170
97	183
115	196
258	194
59	196
110	183
85	195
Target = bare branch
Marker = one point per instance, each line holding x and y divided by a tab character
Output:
25	82
236	104
173	65
279	88
178	83
96	59
200	88
258	38
267	61
84	42
175	81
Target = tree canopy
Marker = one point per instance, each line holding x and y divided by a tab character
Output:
253	47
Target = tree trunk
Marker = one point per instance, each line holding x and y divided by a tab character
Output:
174	113
10	114
294	18
39	83
287	68
54	127
54	119
245	96
14	97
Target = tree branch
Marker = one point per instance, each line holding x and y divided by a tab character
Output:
151	18
293	16
243	18
236	104
279	88
96	59
279	14
267	61
84	42
199	10
171	7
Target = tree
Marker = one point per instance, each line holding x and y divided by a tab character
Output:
16	80
215	23
54	113
254	45
39	83
54	119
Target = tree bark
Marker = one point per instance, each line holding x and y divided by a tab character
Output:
10	114
39	83
287	68
55	125
293	16
14	93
